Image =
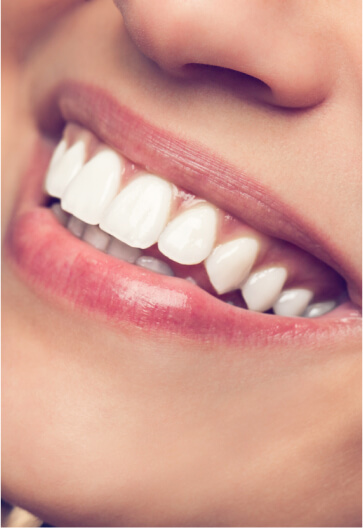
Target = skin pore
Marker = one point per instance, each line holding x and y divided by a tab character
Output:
115	425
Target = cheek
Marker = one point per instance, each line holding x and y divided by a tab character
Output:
26	22
16	144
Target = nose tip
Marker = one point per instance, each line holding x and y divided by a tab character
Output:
266	41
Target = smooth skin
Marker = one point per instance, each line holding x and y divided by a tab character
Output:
107	428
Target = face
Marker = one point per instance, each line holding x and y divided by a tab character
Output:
181	262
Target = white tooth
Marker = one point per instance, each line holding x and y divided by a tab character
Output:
318	309
123	252
189	238
230	263
58	153
97	238
140	212
64	168
263	287
76	226
61	215
154	264
191	280
94	187
292	303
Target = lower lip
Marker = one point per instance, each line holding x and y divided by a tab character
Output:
53	262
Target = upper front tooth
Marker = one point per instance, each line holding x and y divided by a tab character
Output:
189	238
92	190
262	288
230	263
64	166
140	212
58	153
292	303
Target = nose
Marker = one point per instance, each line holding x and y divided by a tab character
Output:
276	44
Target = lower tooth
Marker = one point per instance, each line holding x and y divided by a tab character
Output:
191	280
61	215
233	303
318	309
76	226
96	237
156	265
123	252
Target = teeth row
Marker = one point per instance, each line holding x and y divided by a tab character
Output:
128	214
100	240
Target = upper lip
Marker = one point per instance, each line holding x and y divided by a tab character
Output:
192	167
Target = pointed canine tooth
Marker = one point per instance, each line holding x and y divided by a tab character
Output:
292	303
96	237
123	252
140	212
154	264
76	226
95	186
189	238
318	309
230	263
63	168
61	215
263	287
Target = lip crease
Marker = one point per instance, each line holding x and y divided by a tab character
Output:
51	260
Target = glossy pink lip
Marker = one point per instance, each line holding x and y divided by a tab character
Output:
54	262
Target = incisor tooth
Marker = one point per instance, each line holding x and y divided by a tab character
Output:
58	153
92	190
293	302
122	251
263	287
96	237
64	167
230	263
140	212
154	264
61	215
76	226
189	238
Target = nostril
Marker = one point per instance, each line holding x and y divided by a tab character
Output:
237	81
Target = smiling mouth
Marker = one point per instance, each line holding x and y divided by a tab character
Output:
152	253
129	213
